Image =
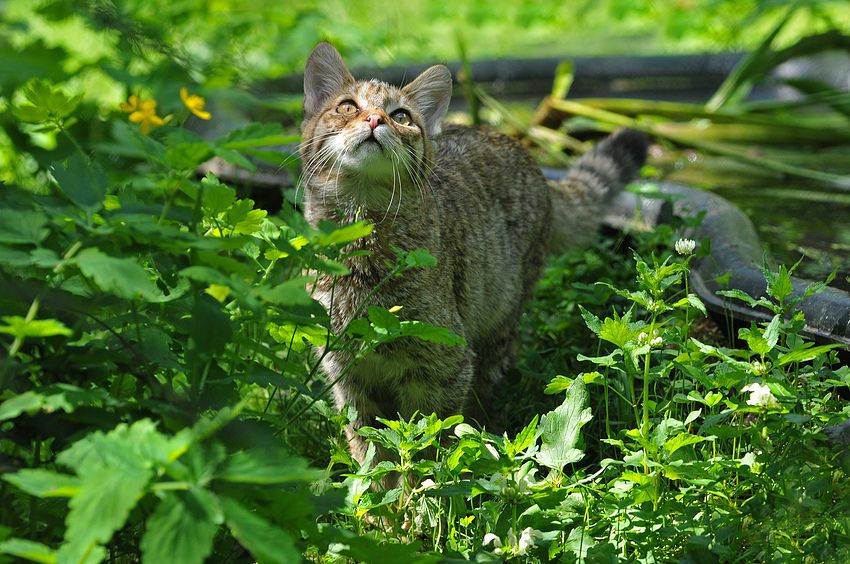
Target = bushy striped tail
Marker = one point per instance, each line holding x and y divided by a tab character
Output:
579	198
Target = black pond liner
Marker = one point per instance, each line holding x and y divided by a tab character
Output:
735	250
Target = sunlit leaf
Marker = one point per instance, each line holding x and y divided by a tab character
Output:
181	529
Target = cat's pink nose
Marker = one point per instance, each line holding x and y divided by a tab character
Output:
374	120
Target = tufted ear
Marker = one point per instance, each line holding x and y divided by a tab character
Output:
324	76
431	93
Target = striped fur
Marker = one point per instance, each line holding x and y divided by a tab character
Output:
473	197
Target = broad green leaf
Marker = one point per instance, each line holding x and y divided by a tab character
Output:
616	331
45	96
345	234
295	336
128	447
381	318
122	277
681	440
419	257
188	156
80	552
798	355
287	294
104	502
32	551
270	466
428	332
181	529
267	543
22	226
83	183
19	327
561	428
217	196
251	223
27	401
44	483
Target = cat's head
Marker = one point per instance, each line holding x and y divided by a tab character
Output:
368	139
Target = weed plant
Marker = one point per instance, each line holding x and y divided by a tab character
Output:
160	401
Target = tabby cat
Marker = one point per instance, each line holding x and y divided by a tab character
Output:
472	197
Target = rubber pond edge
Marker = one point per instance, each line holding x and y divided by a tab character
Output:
736	250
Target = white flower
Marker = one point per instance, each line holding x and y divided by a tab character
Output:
685	246
497	543
761	396
526	539
427	483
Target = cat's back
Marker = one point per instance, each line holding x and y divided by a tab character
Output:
486	171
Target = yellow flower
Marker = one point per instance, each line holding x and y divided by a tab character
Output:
195	104
142	112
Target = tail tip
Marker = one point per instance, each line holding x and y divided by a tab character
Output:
630	146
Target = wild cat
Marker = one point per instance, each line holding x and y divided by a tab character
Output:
472	197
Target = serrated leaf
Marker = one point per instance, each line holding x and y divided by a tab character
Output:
19	327
616	331
181	529
122	277
217	197
32	551
22	226
251	223
126	446
381	318
561	428
44	483
103	503
270	466
267	543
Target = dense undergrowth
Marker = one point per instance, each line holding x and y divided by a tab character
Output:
159	400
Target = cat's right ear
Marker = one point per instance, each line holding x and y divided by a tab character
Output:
324	76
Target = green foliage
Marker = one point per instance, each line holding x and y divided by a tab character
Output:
160	402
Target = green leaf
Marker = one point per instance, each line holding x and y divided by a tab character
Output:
561	428
44	483
22	226
122	277
616	331
431	333
270	466
345	234
27	401
798	355
128	447
681	440
82	182
210	328
43	95
32	551
181	529
384	319
217	197
19	327
103	503
295	336
289	293
267	543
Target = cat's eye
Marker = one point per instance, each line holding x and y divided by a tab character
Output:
347	108
402	117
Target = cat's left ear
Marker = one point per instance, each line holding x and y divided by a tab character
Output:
324	76
431	93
